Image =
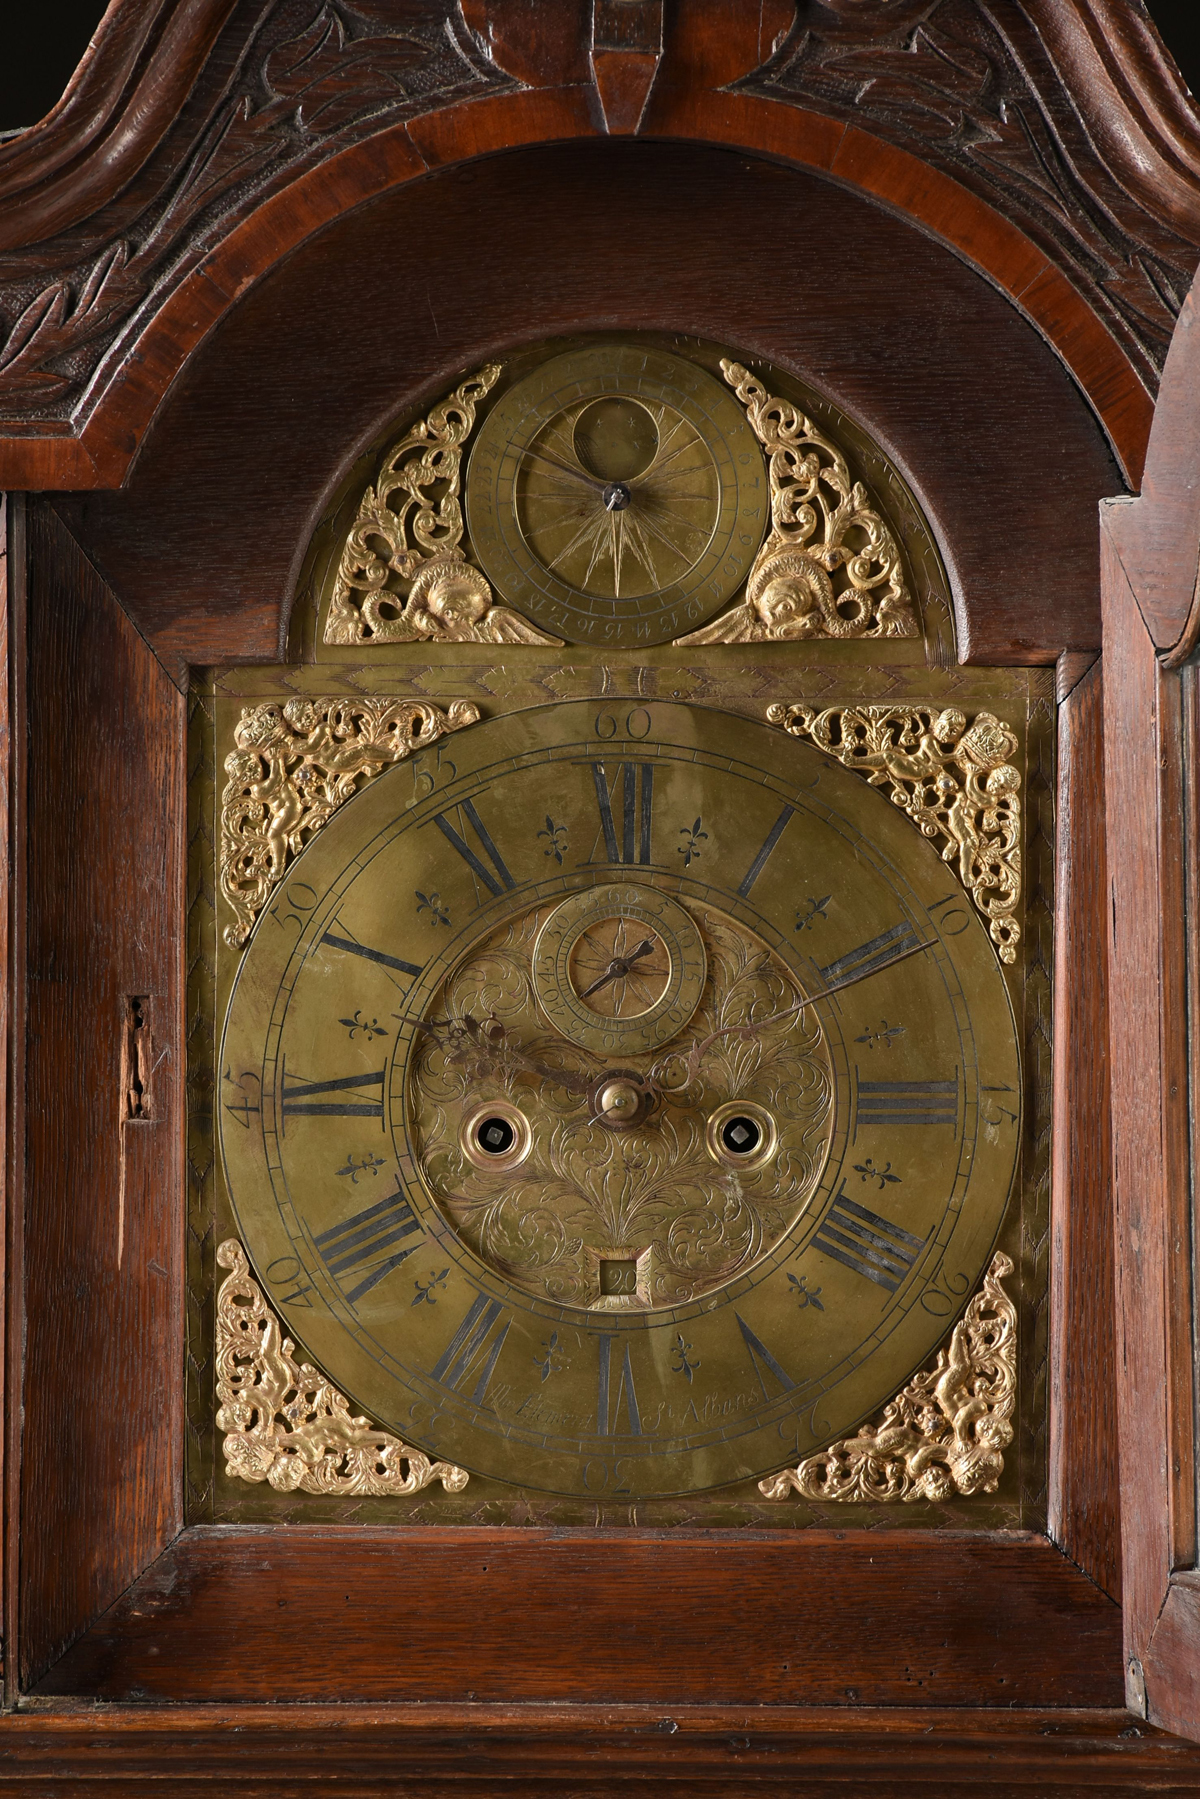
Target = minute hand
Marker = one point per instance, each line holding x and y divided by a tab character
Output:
747	1031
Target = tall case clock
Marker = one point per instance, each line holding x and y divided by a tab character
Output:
559	1122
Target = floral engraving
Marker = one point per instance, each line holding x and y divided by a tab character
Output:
585	1195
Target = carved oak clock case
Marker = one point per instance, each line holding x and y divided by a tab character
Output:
558	1110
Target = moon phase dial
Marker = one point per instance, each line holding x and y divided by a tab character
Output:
617	494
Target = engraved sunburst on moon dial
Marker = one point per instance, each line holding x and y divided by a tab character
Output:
617	494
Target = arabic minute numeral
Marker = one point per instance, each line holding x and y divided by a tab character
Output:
287	1271
241	1107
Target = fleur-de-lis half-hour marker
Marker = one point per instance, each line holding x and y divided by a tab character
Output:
804	1295
432	903
370	1028
682	1361
883	1037
425	1290
805	920
689	849
557	835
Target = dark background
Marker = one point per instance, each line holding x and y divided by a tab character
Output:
44	42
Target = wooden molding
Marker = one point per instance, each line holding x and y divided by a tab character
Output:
199	144
495	1751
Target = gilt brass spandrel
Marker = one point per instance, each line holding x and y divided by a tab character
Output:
1000	691
285	1424
830	566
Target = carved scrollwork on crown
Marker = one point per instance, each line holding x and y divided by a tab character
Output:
402	576
944	1434
953	777
293	766
285	1424
988	91
830	566
311	79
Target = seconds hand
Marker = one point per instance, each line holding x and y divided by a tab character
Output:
619	966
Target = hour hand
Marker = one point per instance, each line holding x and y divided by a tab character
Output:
619	967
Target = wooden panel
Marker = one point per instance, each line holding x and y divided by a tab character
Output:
12	925
1148	1047
1084	1501
1096	263
103	1200
590	1752
493	1615
310	365
1156	538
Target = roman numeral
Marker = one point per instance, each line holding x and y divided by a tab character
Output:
470	1353
496	878
300	1099
636	781
769	842
874	1247
868	958
761	1358
359	1247
608	1403
906	1102
369	955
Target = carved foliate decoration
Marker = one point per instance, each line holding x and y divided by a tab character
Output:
286	1424
294	765
944	1435
829	566
310	81
1004	97
952	776
403	577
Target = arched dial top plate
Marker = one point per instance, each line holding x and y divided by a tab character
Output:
617	492
784	1225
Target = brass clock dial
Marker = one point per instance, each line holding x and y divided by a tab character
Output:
578	1253
617	494
619	969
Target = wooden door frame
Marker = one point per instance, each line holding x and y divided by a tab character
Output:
210	1610
1151	550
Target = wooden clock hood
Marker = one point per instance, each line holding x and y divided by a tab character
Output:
249	236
